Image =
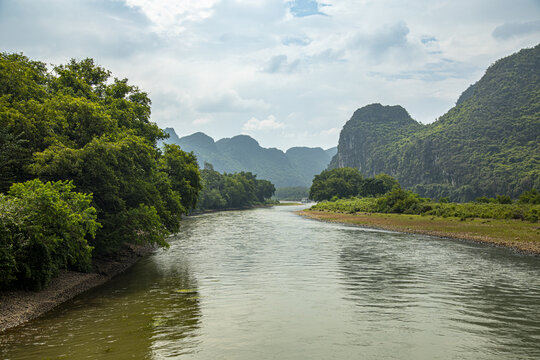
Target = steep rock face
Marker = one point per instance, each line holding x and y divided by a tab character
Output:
270	164
197	140
369	131
331	152
173	136
205	148
243	153
488	144
309	161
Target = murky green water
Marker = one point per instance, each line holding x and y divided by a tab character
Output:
267	284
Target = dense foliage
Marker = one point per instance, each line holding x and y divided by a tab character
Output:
348	182
530	197
76	123
232	191
486	145
44	227
401	201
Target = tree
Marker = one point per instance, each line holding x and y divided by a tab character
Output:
123	176
340	182
265	190
348	182
240	190
76	126
183	170
44	227
530	197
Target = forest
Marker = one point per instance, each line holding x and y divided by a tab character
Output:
232	191
81	173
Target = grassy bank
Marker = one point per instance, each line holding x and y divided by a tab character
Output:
516	234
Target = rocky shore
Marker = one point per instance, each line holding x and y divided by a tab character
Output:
17	306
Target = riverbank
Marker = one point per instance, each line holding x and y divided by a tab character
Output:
518	235
17	306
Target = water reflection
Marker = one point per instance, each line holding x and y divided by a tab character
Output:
267	284
150	311
437	290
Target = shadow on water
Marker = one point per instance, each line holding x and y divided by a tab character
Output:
152	310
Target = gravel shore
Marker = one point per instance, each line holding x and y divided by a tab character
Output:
17	306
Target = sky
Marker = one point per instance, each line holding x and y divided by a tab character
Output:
288	73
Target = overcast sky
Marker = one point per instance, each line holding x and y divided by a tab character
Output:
287	73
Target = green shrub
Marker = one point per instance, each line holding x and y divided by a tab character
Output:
404	202
44	227
398	201
503	199
530	197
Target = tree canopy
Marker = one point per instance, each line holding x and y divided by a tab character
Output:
75	123
348	182
232	191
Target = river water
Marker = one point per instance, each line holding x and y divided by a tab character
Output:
268	284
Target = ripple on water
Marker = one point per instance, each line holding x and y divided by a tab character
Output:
269	284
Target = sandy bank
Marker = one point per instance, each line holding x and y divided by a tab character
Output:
518	235
17	306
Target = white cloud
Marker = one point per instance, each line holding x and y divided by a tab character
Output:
201	121
513	29
227	102
384	38
269	123
280	64
212	64
330	132
172	16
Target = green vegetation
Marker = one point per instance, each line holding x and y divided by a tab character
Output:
74	128
44	227
294	193
232	191
399	201
348	182
530	197
487	145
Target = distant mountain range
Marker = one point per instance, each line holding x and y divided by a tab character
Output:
488	144
295	167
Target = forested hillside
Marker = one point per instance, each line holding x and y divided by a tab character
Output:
488	144
296	167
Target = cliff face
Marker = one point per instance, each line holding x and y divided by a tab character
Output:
309	161
368	132
488	144
296	167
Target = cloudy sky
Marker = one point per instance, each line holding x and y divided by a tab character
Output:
287	73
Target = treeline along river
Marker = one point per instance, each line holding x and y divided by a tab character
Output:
268	284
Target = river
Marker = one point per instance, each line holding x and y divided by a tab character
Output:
269	284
